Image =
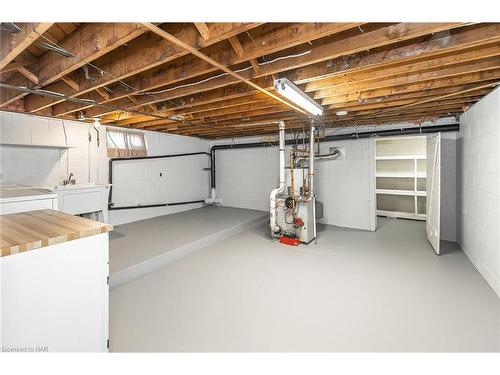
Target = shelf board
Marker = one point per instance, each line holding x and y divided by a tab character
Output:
401	174
410	193
401	157
37	145
403	215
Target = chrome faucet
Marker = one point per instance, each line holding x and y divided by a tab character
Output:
70	180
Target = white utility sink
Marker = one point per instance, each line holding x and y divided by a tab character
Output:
83	198
74	186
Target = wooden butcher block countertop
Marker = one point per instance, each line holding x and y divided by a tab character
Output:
31	230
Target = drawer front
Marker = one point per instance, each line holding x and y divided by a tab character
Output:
23	206
80	203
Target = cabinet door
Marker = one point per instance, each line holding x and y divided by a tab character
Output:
433	187
56	298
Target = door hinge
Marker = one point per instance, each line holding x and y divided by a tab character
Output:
107	344
107	280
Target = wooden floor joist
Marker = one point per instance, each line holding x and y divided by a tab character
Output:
215	80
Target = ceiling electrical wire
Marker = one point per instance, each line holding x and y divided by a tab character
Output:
53	46
221	75
57	48
129	87
51	94
11	27
81	101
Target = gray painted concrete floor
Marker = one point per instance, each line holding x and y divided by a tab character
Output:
351	291
141	240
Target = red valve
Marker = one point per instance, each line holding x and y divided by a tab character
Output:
298	222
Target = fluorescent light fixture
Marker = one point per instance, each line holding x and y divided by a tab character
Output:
341	113
287	89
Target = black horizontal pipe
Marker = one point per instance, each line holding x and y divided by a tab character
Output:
154	205
159	156
112	160
333	137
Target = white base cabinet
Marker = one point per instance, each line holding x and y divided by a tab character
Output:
55	298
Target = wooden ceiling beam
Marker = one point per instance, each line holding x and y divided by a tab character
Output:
71	83
203	30
450	71
13	44
144	122
103	93
368	93
203	98
356	106
238	48
191	110
25	72
216	64
255	65
374	74
455	104
11	67
338	47
266	42
87	43
402	68
437	44
144	53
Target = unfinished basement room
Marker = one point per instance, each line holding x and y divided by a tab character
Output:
250	186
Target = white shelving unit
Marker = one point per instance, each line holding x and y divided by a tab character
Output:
400	177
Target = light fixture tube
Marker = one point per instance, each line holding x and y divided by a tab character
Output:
287	89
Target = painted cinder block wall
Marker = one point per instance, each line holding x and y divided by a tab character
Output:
478	187
45	167
448	186
245	177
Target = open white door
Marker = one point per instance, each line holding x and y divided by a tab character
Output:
433	187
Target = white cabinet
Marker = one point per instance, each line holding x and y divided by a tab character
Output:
55	298
401	177
20	199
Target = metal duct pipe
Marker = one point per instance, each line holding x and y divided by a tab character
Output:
336	137
281	188
334	155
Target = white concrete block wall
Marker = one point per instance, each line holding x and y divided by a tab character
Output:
478	187
347	187
245	177
183	179
46	167
448	186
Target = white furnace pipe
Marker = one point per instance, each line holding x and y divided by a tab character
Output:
311	176
281	188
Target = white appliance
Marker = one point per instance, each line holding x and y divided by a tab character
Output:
19	198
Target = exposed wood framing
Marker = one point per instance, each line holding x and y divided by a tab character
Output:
12	44
71	83
224	68
140	55
87	43
203	29
190	67
215	80
25	72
